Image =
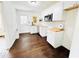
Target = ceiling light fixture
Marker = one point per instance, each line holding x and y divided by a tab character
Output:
34	3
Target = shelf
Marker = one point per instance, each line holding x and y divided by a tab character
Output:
75	6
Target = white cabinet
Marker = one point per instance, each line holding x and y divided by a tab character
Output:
43	31
34	29
29	28
55	38
24	29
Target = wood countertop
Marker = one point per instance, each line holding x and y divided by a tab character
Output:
56	29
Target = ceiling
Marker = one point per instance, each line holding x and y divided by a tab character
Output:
24	5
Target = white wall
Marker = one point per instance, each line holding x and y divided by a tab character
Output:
9	21
74	51
1	23
70	18
56	9
25	28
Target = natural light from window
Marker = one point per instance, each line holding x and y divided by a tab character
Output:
23	20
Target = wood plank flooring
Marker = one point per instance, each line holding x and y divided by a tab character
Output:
34	46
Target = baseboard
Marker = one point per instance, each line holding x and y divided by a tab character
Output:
65	47
12	45
24	33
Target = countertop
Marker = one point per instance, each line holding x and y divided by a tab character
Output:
56	29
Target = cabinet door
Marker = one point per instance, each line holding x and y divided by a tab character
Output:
59	37
55	38
43	31
51	38
34	29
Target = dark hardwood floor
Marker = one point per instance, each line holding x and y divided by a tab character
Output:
34	46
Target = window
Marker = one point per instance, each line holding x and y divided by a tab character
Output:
23	19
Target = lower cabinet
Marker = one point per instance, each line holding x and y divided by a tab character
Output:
55	38
43	31
33	29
